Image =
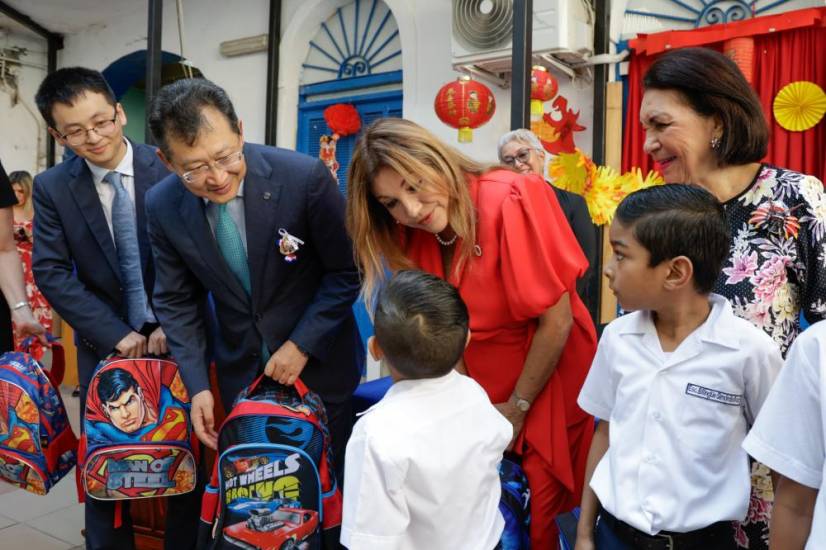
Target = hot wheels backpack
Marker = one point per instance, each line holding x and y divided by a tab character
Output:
37	445
273	485
137	440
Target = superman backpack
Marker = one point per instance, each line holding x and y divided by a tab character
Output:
273	484
514	505
37	445
137	440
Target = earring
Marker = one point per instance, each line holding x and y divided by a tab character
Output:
715	143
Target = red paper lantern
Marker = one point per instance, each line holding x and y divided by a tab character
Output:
343	119
543	88
464	104
741	51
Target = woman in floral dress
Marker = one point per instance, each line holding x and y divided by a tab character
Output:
704	125
21	182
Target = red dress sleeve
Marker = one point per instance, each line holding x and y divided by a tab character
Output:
540	257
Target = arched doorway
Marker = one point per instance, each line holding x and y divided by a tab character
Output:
127	77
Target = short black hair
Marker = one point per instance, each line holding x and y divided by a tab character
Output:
176	110
680	219
421	324
65	85
713	85
113	383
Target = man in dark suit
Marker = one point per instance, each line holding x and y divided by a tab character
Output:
92	259
262	230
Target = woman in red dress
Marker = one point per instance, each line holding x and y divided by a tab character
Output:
501	238
21	182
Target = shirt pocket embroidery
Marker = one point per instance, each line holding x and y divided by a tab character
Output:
709	418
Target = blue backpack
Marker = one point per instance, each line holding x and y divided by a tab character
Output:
37	445
514	506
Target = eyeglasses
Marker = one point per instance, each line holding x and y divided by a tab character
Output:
522	155
104	128
224	163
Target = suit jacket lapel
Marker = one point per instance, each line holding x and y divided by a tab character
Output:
88	201
145	175
193	216
261	196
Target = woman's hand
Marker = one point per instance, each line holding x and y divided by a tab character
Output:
515	417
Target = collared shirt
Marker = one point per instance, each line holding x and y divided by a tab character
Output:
789	435
674	460
106	192
235	207
421	469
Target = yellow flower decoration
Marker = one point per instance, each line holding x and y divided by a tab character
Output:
602	187
799	105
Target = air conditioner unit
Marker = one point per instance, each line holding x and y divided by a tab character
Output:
563	32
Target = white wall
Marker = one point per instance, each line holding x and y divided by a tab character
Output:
21	124
207	23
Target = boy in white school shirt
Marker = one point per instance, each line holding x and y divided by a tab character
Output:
421	470
789	437
677	383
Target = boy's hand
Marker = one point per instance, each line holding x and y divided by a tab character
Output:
514	416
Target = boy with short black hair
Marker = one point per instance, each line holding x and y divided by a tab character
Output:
678	381
421	469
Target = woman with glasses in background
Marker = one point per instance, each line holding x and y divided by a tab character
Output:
522	150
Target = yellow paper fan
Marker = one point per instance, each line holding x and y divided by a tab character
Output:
799	105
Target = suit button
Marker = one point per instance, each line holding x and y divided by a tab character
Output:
254	355
258	317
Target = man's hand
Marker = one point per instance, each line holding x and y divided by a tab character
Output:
26	325
286	364
202	413
132	346
157	342
514	416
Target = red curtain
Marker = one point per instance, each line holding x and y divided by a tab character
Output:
788	47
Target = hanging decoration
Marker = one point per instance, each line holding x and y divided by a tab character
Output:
464	104
602	187
799	106
344	120
543	88
741	51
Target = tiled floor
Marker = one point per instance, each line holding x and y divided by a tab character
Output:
50	522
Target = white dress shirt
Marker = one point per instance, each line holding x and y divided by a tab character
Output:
106	192
789	435
421	469
674	461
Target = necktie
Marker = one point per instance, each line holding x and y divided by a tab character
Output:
125	231
232	248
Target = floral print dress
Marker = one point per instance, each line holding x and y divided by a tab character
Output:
776	270
40	307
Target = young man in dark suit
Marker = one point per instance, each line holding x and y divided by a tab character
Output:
262	230
92	259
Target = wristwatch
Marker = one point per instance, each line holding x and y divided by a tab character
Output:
522	404
19	305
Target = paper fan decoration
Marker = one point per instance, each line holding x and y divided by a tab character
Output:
799	105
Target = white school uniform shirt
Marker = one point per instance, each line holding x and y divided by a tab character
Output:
674	461
421	469
789	435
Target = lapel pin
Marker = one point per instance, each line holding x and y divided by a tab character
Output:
267	195
288	245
